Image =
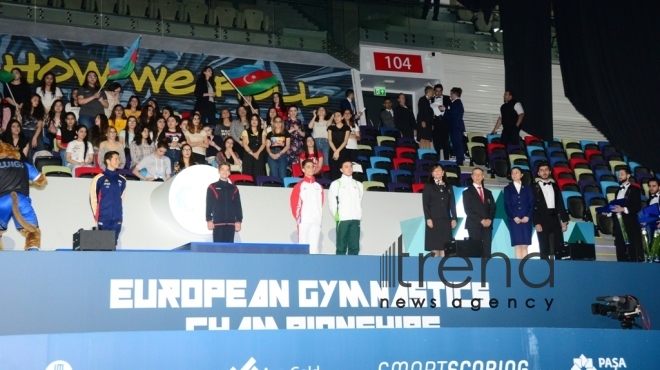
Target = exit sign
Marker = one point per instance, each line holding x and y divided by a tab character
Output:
379	91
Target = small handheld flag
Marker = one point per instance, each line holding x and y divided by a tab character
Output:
250	80
121	68
6	76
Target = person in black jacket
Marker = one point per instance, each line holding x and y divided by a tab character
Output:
439	211
479	207
224	213
205	93
404	119
629	247
440	126
425	119
550	216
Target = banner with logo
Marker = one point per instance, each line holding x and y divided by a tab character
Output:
415	349
168	76
77	292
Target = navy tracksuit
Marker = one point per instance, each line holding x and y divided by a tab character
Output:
223	207
106	196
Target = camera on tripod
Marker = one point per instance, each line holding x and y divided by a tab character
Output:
623	308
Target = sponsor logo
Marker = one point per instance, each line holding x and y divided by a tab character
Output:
585	363
249	365
59	365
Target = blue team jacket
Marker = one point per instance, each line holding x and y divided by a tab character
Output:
106	194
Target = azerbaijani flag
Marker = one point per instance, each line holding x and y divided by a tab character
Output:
121	68
250	80
6	76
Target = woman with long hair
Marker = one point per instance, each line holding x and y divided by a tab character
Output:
72	106
66	134
319	126
48	90
32	122
175	140
439	211
186	159
127	135
277	145
312	152
338	134
249	104
110	144
272	113
142	146
17	92
354	137
519	207
98	131
14	137
148	117
79	153
92	100
223	128
278	104
54	120
196	138
205	94
159	130
254	144
228	154
167	112
297	132
117	118
133	108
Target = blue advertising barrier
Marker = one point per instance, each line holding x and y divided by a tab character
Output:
47	293
258	248
415	349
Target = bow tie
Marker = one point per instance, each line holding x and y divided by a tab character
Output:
623	187
654	196
546	183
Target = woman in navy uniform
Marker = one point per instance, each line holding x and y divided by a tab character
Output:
439	211
519	206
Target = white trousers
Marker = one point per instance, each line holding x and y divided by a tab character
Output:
310	234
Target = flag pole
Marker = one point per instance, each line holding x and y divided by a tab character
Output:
106	80
237	90
12	95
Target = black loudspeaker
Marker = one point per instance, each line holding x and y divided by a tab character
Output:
577	252
94	240
464	248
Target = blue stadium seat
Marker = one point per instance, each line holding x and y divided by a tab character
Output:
384	151
533	151
374	171
604	185
424	164
289	182
421	176
375	159
574	203
428	152
390	131
555	160
584	143
589	197
491	137
402	176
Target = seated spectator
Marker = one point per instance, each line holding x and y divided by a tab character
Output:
127	135
80	153
158	131
229	155
117	118
157	166
175	138
183	125
185	160
311	152
215	144
14	136
254	145
111	144
197	139
149	117
142	146
133	108
72	106
297	132
277	146
32	117
66	134
223	128
54	120
98	131
167	113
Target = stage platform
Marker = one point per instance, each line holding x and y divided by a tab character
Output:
169	310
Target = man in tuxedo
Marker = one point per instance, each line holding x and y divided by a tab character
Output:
550	216
440	129
479	207
630	249
404	118
454	118
387	114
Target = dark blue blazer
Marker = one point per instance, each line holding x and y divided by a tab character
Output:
519	205
454	116
346	104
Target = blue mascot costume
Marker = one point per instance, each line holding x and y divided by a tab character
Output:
15	180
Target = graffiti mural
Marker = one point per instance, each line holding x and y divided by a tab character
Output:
167	76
